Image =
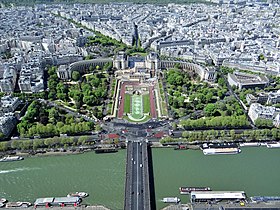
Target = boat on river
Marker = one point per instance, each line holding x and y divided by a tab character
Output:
250	144
11	158
188	190
18	204
220	148
78	194
105	150
221	151
273	145
171	200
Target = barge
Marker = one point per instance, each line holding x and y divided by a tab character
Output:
221	151
250	144
59	201
105	150
188	190
220	148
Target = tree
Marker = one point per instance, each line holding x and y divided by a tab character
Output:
53	115
82	140
264	123
38	143
261	57
76	75
98	127
4	146
62	91
209	110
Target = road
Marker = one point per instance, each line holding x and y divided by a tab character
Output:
137	195
137	176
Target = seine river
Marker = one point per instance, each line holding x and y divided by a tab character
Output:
255	170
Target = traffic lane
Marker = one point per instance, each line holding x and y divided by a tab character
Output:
134	176
137	173
141	177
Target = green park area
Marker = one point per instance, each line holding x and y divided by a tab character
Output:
137	107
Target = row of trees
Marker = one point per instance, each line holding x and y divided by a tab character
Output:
55	142
216	122
53	82
41	130
104	40
232	135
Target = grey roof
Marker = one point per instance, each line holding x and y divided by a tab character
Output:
43	201
67	200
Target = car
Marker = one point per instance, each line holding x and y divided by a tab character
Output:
141	165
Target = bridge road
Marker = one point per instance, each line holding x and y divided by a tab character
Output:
137	192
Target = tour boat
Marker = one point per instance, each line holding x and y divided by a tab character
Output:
273	145
11	158
78	194
171	200
18	204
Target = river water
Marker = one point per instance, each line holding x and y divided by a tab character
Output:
255	170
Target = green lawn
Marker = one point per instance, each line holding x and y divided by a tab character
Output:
127	98
137	106
147	107
145	119
139	53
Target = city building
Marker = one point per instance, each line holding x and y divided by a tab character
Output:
9	104
31	79
7	123
245	80
63	72
258	111
155	64
8	81
264	98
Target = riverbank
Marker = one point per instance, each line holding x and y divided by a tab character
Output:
56	151
67	208
76	151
